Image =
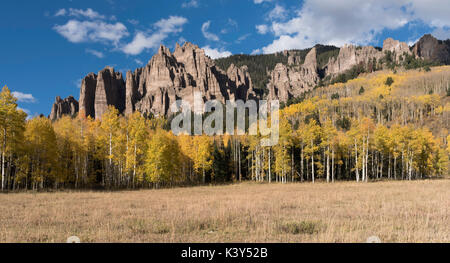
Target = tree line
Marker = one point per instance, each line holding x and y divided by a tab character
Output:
351	137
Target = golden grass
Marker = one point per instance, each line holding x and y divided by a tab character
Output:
343	212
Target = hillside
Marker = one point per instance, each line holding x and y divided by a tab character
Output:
259	66
285	76
415	97
376	115
381	125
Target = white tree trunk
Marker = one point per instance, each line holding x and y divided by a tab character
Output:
312	161
356	162
328	165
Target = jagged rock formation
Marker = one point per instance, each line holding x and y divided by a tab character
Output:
397	48
167	77
99	91
293	58
291	81
87	95
240	82
68	106
428	47
179	75
349	56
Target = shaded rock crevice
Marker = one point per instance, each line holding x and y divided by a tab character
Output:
62	107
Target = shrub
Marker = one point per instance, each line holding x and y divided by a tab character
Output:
335	96
344	123
160	228
389	81
361	90
296	228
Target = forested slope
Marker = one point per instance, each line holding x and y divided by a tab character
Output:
260	65
382	125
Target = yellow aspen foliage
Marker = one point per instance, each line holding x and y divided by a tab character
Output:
162	163
202	156
41	140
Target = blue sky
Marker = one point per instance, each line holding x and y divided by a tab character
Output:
47	47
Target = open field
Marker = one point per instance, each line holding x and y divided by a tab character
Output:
417	211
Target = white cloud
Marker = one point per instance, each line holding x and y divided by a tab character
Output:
262	29
95	53
433	12
208	35
61	12
164	27
23	97
133	21
171	25
278	13
215	53
349	21
88	13
231	24
139	62
256	52
442	33
92	31
242	38
189	4
261	1
141	42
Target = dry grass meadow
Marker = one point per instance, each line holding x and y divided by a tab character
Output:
415	211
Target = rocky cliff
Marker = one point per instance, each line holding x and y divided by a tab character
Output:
171	76
167	77
398	49
62	107
288	81
100	91
349	56
293	80
428	47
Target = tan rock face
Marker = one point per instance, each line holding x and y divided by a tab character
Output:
110	91
293	59
397	48
349	56
68	106
168	77
240	83
293	80
287	82
171	76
